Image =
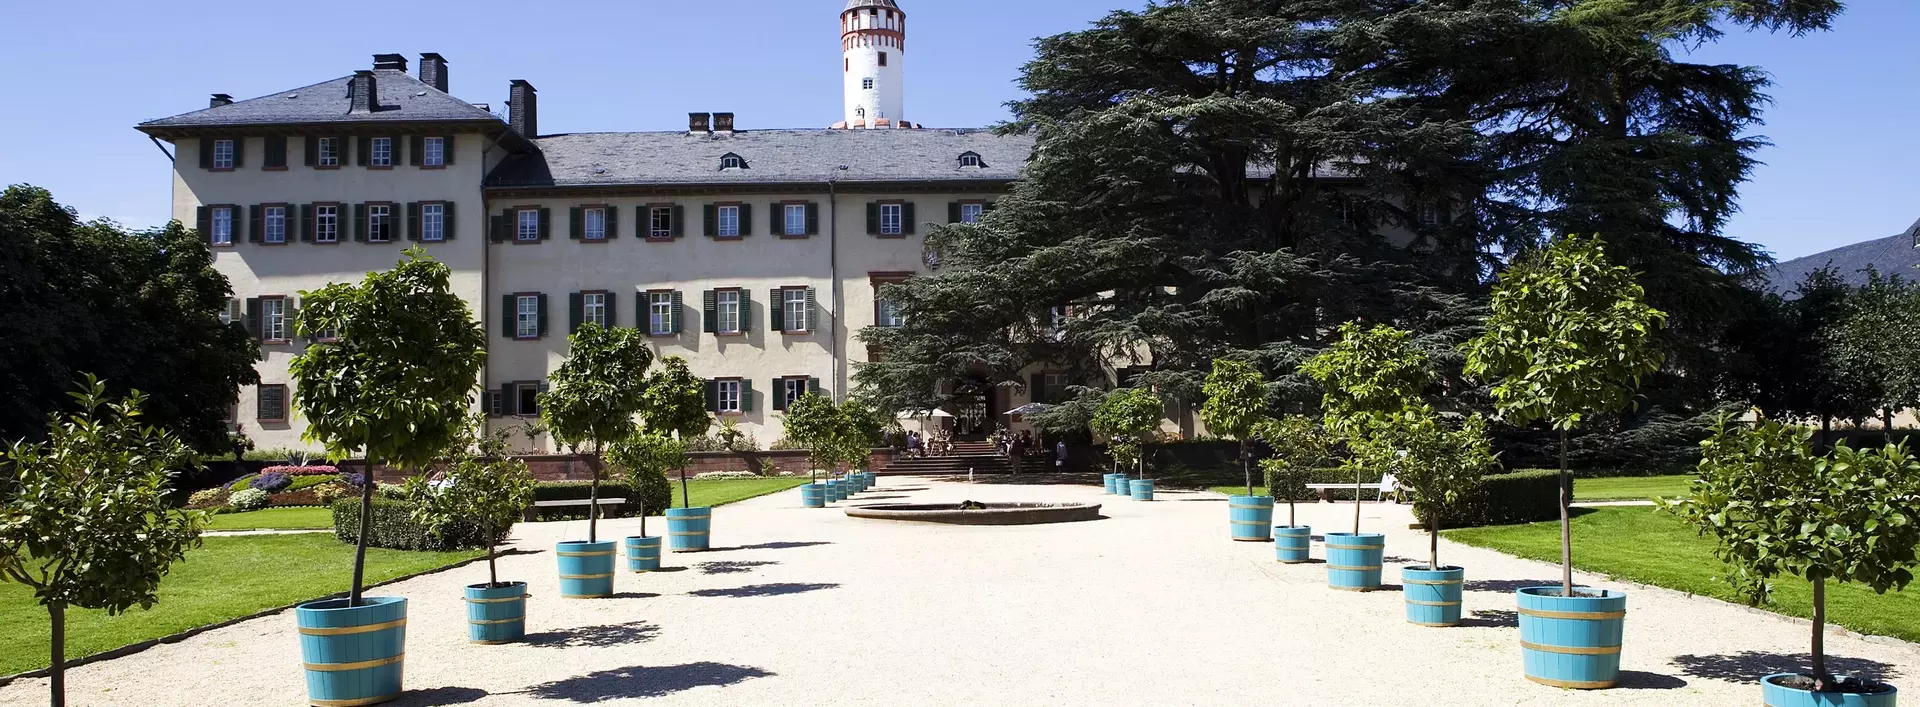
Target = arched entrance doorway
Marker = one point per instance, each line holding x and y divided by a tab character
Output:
976	405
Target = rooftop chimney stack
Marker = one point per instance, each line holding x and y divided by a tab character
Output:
433	71
699	123
523	109
395	62
723	123
364	92
220	99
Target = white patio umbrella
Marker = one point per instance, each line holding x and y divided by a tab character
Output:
1028	409
921	414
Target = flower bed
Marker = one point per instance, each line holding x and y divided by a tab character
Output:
305	470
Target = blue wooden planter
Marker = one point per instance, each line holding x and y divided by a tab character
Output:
688	528
496	615
1353	561
813	495
851	484
1572	642
1774	695
1433	596
1291	543
353	656
586	569
1113	482
862	480
643	554
1142	489
1251	517
836	491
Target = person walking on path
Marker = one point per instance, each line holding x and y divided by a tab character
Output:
1060	455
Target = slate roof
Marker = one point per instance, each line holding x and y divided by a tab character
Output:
772	157
402	99
1894	254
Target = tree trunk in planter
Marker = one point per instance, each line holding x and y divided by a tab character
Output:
366	527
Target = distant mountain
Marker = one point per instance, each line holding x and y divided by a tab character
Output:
1891	255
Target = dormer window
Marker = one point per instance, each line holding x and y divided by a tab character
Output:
971	159
732	161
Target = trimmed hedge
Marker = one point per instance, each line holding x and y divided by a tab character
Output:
658	497
394	529
1526	496
1326	476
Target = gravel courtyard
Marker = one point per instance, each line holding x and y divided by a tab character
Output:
1151	606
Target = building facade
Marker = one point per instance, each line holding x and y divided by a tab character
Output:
757	255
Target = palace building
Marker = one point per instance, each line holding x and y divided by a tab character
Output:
757	255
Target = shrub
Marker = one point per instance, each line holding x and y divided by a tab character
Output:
713	475
658	498
302	483
247	500
390	491
271	483
1525	496
331	491
241	484
393	528
309	470
205	499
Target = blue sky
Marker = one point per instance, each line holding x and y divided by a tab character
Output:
1845	166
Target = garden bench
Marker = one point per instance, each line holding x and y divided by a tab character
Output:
533	511
1380	489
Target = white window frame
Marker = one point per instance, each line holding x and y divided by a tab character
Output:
220	223
727	317
891	315
970	160
379	223
433	152
328	153
891	219
230	313
793	387
526	316
519	411
659	222
433	222
382	152
660	313
796	220
726	221
326	223
727	394
593	223
732	162
526	225
223	154
793	310
273	224
593	308
970	212
273	319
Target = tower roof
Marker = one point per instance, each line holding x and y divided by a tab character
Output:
857	4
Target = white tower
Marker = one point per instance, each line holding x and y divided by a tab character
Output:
873	42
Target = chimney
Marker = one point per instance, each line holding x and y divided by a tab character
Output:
523	109
723	123
433	71
395	62
220	99
697	123
364	92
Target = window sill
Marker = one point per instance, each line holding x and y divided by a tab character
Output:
664	335
220	169
522	241
228	244
275	342
331	242
274	168
665	239
731	413
433	166
734	237
326	166
796	332
595	241
795	236
889	235
265	421
380	167
527	338
433	240
729	334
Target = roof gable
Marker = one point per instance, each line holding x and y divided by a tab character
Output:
402	99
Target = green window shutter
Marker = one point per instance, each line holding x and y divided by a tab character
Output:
612	319
413	220
543	314
713	396
710	317
710	220
679	219
813	311
203	222
778	313
813	386
576	228
779	393
509	405
613	222
953	212
746	395
366	150
446	150
306	223
497	228
546	223
777	219
510	315
419	145
640	312
446	220
576	306
239	152
813	219
746	312
253	317
675	314
746	220
907	221
276	151
1037	392
206	153
255	224
311	145
873	218
360	223
486	403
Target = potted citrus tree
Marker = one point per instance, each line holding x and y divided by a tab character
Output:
1442	467
1369	376
676	404
1567	339
1777	509
644	459
1236	403
1128	418
812	423
484	484
396	382
591	402
1300	447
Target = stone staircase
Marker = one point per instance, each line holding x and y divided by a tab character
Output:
981	457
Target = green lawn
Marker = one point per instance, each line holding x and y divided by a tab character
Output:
225	579
719	492
274	519
1649	546
1631	488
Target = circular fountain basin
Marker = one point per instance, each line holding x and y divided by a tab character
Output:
980	513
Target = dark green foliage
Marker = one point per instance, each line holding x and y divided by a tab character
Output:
139	310
659	497
1525	496
1656	442
395	529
